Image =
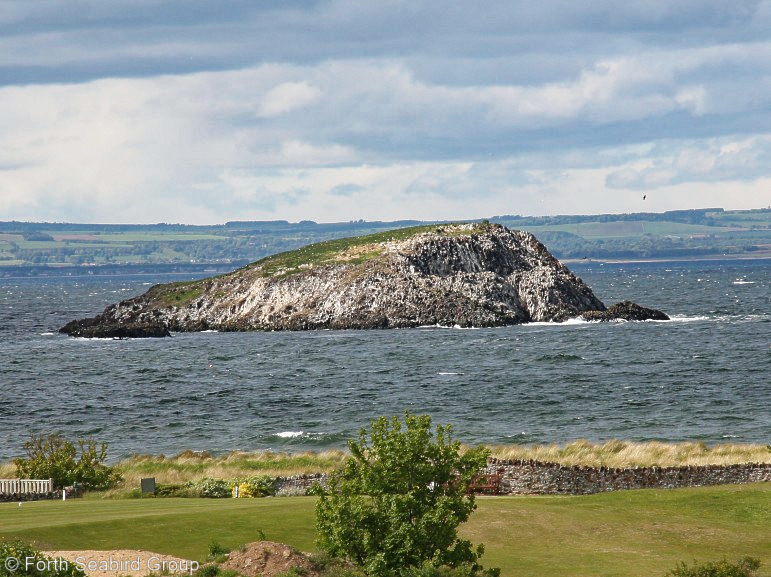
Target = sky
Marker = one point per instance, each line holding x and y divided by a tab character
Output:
201	112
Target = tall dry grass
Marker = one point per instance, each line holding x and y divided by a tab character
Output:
630	454
7	471
192	466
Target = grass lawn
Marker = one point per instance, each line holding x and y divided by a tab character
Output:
628	533
183	527
640	533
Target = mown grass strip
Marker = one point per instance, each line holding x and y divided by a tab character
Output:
183	527
624	534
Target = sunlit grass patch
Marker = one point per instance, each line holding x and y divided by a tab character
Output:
622	454
640	533
354	250
7	471
193	466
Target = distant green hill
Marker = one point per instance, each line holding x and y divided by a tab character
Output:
35	248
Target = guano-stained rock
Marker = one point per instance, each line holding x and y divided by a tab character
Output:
469	275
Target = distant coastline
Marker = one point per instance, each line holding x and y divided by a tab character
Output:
703	233
665	260
204	270
201	270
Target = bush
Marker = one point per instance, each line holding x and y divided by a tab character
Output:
208	571
173	490
428	570
259	486
211	488
217	551
12	551
54	457
396	506
745	567
333	566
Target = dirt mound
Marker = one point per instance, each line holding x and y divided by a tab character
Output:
268	559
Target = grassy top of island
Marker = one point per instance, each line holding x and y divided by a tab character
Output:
348	250
353	250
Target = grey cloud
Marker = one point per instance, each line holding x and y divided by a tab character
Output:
346	190
48	40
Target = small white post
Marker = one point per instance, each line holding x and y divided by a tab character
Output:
64	494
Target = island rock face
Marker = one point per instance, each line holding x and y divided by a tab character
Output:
469	275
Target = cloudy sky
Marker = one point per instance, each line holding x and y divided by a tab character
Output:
201	112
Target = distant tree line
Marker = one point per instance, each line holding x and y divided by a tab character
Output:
35	244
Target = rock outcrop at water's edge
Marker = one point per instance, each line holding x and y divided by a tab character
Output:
468	275
625	311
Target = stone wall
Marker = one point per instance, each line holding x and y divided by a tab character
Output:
534	477
298	484
11	497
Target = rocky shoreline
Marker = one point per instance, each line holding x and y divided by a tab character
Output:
468	275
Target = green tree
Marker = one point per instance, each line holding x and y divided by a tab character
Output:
395	507
54	457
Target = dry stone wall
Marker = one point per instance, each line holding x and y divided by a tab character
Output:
534	477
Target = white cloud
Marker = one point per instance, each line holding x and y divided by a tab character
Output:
287	97
709	160
345	110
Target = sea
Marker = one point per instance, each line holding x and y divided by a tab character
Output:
703	376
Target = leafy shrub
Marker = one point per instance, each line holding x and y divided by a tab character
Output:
172	490
54	457
744	567
32	562
208	571
217	550
212	488
259	486
397	504
330	566
467	570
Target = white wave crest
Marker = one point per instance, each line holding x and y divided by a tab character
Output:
290	434
687	319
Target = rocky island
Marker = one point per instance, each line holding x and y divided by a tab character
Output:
468	275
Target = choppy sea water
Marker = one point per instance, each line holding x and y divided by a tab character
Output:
705	375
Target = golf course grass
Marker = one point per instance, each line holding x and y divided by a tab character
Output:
626	533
